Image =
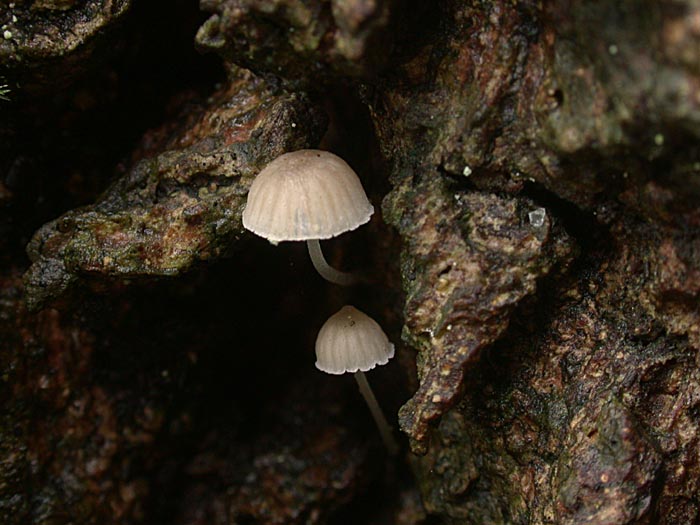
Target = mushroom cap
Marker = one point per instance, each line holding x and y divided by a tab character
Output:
350	341
306	194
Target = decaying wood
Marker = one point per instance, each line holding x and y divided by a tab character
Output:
537	251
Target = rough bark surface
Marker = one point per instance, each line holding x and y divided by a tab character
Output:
45	43
292	38
182	205
538	166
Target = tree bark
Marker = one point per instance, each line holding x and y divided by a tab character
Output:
536	259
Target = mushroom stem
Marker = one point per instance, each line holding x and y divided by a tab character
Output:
328	272
379	419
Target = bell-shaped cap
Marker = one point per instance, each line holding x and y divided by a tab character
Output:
303	195
351	341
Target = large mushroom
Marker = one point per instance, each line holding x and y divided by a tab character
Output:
307	195
351	341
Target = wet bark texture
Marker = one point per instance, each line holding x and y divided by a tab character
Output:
536	259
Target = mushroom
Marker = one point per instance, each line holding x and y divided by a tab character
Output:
351	341
307	195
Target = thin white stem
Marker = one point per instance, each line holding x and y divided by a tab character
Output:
328	272
379	419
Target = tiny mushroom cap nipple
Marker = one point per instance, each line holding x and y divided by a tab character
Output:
307	195
351	341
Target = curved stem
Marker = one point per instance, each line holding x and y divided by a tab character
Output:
328	272
379	419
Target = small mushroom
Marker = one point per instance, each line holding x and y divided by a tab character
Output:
351	341
307	195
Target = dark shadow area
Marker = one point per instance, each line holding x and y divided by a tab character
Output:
63	144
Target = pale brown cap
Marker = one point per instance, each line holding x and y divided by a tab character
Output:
303	195
351	341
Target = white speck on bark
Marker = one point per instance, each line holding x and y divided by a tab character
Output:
536	217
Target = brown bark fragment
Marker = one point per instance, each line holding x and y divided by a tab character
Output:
294	38
70	453
523	100
46	44
470	259
180	206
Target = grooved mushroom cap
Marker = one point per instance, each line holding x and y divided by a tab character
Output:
350	341
303	195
